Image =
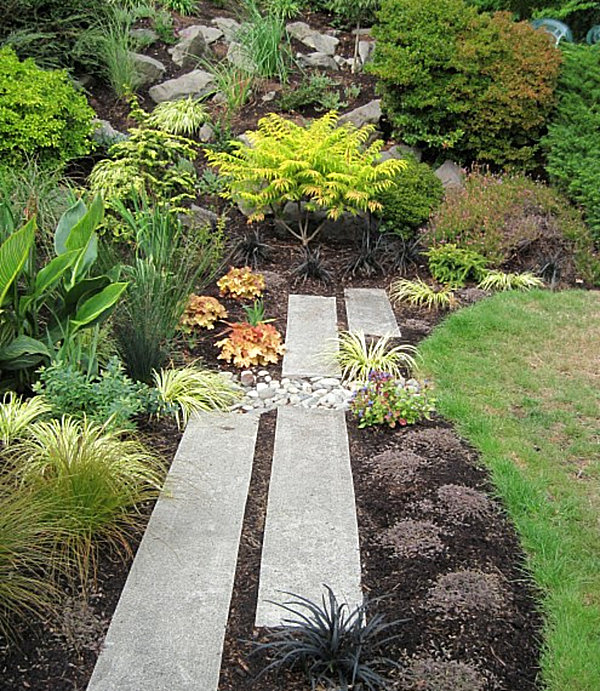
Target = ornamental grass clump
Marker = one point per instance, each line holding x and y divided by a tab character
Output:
17	414
421	294
185	116
498	280
189	390
321	167
358	357
26	540
93	482
384	400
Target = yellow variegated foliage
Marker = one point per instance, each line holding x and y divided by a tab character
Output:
202	311
248	345
322	166
241	284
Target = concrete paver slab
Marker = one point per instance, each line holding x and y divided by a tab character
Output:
369	311
311	532
168	629
311	333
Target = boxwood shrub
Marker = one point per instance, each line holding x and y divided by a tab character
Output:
480	85
408	204
41	114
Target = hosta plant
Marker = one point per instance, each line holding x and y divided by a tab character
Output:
241	284
498	280
385	400
321	167
201	312
358	357
248	345
421	294
337	647
191	389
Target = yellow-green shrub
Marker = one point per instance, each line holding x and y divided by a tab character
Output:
41	113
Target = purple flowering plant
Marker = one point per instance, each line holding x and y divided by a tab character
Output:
384	400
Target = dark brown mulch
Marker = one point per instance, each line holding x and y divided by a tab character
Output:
487	624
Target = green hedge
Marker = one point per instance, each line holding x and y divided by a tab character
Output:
573	140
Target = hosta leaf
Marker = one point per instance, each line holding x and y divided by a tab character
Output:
13	255
97	307
22	352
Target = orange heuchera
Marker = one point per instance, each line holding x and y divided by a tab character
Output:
248	345
242	283
201	311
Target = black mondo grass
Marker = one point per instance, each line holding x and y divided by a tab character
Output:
312	266
334	645
250	250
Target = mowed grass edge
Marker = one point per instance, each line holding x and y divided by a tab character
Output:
519	375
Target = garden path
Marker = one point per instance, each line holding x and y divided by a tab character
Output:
168	629
169	626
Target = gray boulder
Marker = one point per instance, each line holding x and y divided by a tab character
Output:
450	174
104	134
190	48
148	69
368	114
320	43
228	26
365	50
401	151
211	33
197	83
206	133
299	30
201	216
237	56
317	60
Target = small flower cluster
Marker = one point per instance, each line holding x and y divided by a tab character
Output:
384	400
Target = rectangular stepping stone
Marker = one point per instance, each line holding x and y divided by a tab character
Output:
369	311
311	531
311	334
168	629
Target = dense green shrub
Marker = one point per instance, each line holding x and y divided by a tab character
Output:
407	205
41	114
454	266
580	15
479	85
573	140
109	396
516	223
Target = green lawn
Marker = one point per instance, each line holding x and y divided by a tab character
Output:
519	374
